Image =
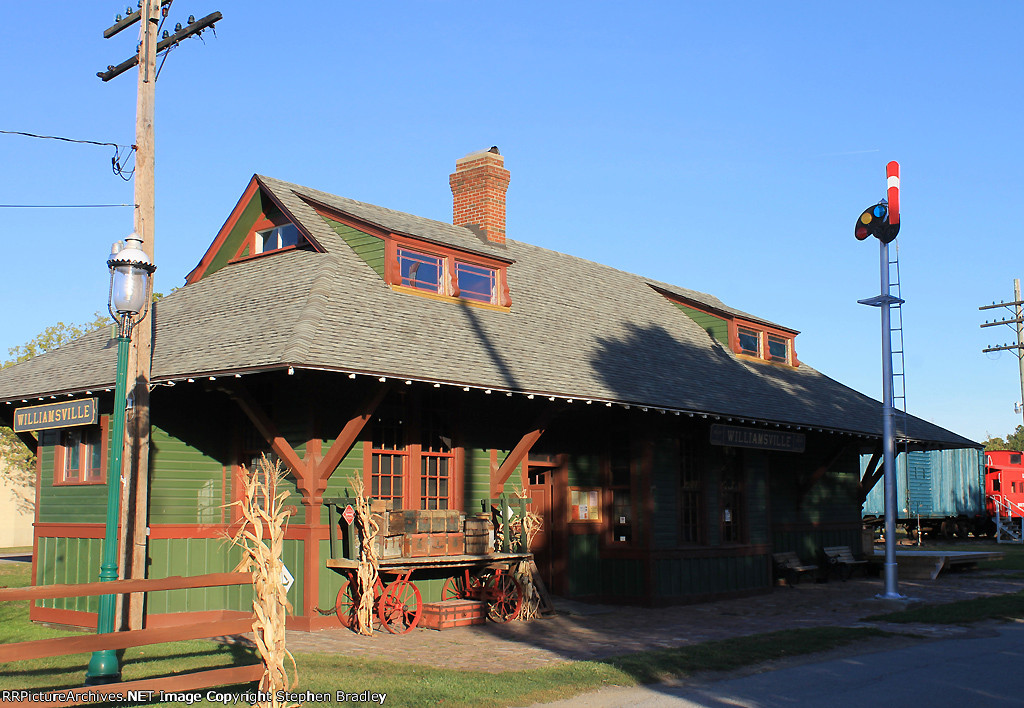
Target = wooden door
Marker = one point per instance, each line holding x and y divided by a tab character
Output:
538	489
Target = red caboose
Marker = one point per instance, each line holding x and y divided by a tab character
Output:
1004	483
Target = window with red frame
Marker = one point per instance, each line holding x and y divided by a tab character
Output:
691	495
447	275
389	460
420	270
78	454
275	239
778	348
749	341
732	502
475	282
437	460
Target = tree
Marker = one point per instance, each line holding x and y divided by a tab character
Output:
1013	441
51	338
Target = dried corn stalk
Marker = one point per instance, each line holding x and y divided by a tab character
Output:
262	512
366	573
531	596
533	523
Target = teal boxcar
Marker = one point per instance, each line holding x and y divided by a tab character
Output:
938	491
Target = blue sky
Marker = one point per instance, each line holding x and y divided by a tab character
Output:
724	147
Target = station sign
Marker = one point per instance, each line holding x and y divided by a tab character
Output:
757	438
63	414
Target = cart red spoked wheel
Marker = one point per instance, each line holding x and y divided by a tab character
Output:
400	607
504	596
461	587
345	604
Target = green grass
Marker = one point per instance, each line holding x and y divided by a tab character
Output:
411	684
1003	607
16	549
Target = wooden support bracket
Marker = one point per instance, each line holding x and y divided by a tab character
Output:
269	431
872	474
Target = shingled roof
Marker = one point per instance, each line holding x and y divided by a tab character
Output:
576	329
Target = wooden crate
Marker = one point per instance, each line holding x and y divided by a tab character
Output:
424	521
422	545
453	613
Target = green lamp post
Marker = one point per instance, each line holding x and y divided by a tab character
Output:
128	302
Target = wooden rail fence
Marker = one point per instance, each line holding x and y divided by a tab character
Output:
87	643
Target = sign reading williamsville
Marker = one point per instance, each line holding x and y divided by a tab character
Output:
55	415
736	436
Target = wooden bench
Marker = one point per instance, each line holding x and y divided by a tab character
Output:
789	566
840	560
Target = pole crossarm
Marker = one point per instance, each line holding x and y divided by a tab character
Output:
185	32
128	21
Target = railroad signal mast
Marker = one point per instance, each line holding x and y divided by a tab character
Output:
1017	322
882	221
135	478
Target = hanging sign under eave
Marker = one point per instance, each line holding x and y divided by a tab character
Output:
735	436
64	414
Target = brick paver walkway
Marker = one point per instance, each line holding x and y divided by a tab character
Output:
580	631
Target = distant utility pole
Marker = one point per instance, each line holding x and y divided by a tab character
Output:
135	471
1018	321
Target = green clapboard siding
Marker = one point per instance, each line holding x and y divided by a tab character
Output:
69	561
80	504
369	248
679	577
715	326
589	574
477	484
234	240
585	471
665	494
338	484
198	556
186	486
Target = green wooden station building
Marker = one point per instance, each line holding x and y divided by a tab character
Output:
670	442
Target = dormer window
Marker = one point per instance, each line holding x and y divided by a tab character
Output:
276	238
758	341
446	273
749	341
419	270
778	348
475	282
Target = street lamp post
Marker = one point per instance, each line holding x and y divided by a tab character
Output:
130	270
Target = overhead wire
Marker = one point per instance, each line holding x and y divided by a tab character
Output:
61	206
117	162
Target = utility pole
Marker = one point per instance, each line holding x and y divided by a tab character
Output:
132	552
1018	321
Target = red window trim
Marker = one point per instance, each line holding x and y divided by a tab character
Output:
449	286
59	453
392	276
762	331
412	477
262	223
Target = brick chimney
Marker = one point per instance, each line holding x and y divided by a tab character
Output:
478	186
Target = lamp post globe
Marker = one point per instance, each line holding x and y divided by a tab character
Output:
130	269
128	301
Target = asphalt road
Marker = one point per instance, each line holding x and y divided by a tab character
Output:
980	670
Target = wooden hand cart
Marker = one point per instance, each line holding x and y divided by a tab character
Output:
398	605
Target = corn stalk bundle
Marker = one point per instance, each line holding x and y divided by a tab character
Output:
531	596
366	573
532	522
262	513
